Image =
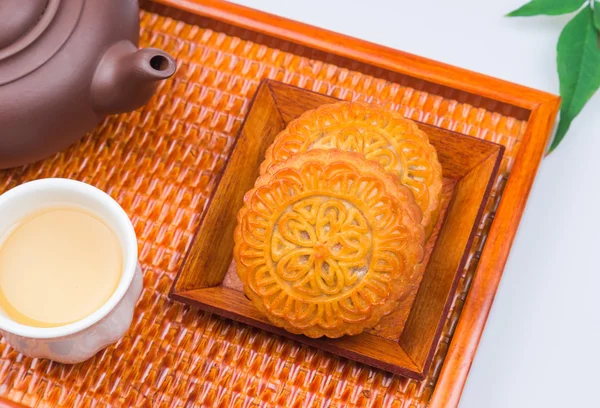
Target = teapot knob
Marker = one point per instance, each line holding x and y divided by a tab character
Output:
18	17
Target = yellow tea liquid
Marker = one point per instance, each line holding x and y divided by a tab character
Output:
57	267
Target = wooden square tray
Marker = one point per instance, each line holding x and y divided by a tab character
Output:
404	341
162	164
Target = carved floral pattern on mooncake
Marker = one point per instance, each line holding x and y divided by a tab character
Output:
380	135
328	243
321	247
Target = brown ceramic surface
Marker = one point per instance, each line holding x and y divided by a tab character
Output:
64	65
162	162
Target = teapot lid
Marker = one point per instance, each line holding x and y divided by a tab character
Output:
18	18
32	31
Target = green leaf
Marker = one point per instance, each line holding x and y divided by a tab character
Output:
578	60
597	14
548	7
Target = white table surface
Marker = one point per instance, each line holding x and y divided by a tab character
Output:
541	345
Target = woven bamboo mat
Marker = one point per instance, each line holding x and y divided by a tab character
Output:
161	163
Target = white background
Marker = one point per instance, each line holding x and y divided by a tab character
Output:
541	345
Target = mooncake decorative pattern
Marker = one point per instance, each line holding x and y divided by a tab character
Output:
327	243
380	135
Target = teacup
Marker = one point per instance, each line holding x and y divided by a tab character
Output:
78	341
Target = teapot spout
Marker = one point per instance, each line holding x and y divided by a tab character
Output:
126	77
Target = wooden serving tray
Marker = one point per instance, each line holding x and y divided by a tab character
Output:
404	341
162	164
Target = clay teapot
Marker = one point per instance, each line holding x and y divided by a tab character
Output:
64	66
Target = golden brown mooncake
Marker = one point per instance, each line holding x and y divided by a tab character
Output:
378	133
327	243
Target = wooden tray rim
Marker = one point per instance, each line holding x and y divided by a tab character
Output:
544	109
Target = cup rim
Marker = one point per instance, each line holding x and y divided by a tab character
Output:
130	252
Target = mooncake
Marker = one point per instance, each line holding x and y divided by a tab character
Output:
380	135
327	243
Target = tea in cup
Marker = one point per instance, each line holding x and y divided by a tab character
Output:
69	275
